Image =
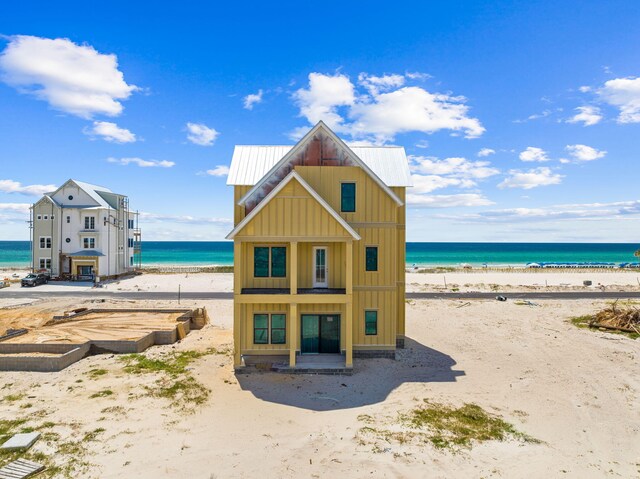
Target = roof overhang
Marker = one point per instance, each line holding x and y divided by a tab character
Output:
89	253
273	193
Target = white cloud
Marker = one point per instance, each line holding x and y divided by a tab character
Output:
252	99
10	186
585	89
589	211
322	98
72	78
375	84
422	144
381	107
534	154
142	163
194	220
428	183
587	115
22	208
458	167
623	93
584	152
531	178
111	132
219	170
201	134
447	201
486	152
417	76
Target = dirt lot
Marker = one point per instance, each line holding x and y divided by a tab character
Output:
572	393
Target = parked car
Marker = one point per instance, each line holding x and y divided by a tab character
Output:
33	279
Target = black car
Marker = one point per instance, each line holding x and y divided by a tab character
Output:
33	279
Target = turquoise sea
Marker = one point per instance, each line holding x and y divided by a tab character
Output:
16	253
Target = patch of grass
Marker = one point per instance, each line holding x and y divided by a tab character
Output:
8	427
26	405
177	384
174	365
182	391
113	409
581	321
96	373
460	427
92	436
13	397
102	394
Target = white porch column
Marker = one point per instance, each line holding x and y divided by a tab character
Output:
349	307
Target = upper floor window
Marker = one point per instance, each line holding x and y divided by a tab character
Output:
46	217
347	197
68	219
371	260
39	217
131	226
45	242
269	262
88	243
89	222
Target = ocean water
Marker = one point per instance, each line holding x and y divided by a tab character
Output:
17	253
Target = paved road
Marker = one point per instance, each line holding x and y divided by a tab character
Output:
97	293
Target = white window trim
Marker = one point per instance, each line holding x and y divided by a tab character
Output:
45	242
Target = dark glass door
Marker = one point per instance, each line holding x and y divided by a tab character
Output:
320	333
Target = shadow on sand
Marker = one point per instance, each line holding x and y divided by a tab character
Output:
372	381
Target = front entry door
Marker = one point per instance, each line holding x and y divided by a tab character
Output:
320	333
320	276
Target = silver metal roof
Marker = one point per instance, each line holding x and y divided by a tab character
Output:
250	163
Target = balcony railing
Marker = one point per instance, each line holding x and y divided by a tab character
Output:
299	291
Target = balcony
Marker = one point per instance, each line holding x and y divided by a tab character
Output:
299	291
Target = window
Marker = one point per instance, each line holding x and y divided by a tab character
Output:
269	262
130	260
88	243
53	217
39	217
45	242
260	262
278	262
45	263
89	222
131	224
70	197
371	261
130	242
261	329
68	219
278	329
371	323
46	217
348	197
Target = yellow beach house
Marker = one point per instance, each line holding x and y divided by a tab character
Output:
319	251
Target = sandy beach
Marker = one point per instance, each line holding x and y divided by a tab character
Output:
574	390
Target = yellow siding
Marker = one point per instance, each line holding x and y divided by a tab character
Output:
385	303
336	262
293	212
372	203
294	215
238	211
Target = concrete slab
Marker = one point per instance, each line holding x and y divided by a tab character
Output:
20	441
20	469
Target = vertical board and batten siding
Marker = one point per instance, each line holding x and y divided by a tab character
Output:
239	211
336	262
373	204
293	212
385	302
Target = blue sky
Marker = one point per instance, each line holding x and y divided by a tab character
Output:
521	119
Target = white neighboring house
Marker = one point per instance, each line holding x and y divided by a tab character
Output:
83	231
